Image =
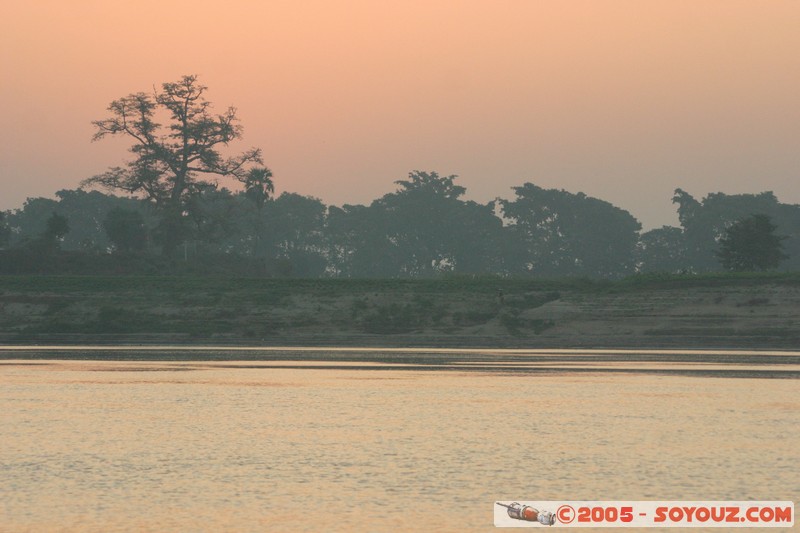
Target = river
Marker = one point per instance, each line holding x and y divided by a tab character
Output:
212	439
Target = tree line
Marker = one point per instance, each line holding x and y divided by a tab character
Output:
423	229
174	216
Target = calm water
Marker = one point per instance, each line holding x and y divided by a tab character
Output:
326	441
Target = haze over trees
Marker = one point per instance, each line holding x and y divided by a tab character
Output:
750	244
171	162
125	229
704	224
565	234
424	228
177	218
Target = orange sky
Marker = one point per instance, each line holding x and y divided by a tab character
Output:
623	100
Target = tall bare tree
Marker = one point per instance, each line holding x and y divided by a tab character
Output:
175	161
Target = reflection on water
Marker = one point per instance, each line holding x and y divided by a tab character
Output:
366	442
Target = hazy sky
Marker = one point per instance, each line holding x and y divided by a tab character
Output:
623	100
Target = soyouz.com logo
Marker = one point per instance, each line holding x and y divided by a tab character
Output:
725	514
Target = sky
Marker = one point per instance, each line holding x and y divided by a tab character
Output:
624	100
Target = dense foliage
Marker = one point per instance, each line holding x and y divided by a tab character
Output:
425	228
750	244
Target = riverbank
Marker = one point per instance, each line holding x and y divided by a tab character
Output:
719	311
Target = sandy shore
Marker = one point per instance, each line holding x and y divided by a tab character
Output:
760	314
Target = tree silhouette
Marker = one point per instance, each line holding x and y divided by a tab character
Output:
557	233
705	223
170	159
662	250
751	244
258	186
